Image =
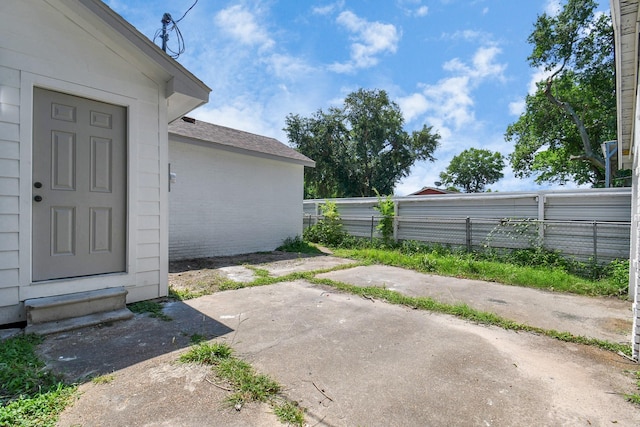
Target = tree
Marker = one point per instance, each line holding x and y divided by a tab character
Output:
557	138
359	147
474	169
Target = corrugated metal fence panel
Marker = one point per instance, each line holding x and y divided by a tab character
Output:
504	220
445	231
460	206
601	206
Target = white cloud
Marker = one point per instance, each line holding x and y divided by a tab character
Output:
421	11
287	67
516	108
552	7
412	106
449	103
413	7
370	39
242	25
329	8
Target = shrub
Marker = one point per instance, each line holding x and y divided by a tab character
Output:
328	230
386	207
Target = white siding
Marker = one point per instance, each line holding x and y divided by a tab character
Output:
59	50
225	203
9	192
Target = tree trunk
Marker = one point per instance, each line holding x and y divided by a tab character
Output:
589	155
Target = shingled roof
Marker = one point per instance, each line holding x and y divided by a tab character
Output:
191	130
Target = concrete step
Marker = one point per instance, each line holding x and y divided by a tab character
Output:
71	311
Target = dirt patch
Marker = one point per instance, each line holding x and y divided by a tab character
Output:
202	275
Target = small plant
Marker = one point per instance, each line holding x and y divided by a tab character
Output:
197	338
207	354
289	413
386	207
247	385
297	245
104	379
328	230
635	397
154	309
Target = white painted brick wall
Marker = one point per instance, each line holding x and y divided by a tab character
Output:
226	203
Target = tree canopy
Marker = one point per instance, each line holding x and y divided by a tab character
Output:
557	138
474	169
358	148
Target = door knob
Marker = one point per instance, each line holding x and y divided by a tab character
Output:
38	198
37	184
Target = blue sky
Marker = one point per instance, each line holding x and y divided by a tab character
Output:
457	65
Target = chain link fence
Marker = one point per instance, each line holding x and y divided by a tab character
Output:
598	242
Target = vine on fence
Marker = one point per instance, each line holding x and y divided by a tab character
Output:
386	207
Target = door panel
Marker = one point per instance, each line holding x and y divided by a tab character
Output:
79	194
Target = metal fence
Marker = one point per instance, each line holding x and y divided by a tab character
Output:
587	224
592	241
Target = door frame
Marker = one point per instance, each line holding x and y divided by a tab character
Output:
28	82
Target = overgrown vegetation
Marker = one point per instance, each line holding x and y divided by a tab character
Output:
153	308
247	385
533	267
387	209
30	395
298	245
329	230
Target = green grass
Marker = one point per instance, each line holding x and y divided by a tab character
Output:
30	395
104	379
465	266
635	397
246	384
153	308
297	245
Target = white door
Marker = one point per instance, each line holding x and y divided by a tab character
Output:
79	186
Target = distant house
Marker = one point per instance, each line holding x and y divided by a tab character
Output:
234	191
425	191
85	101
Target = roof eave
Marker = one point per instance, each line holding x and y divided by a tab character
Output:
197	141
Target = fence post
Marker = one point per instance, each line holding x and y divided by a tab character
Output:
595	242
468	230
372	219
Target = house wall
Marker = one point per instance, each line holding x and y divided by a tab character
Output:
634	273
46	44
226	203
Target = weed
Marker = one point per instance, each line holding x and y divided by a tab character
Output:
104	379
290	413
465	312
30	395
207	354
386	207
185	294
445	262
247	385
154	309
635	397
328	230
197	338
298	245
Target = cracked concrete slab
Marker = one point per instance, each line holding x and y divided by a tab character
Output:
595	317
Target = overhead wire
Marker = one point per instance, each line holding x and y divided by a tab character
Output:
165	30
